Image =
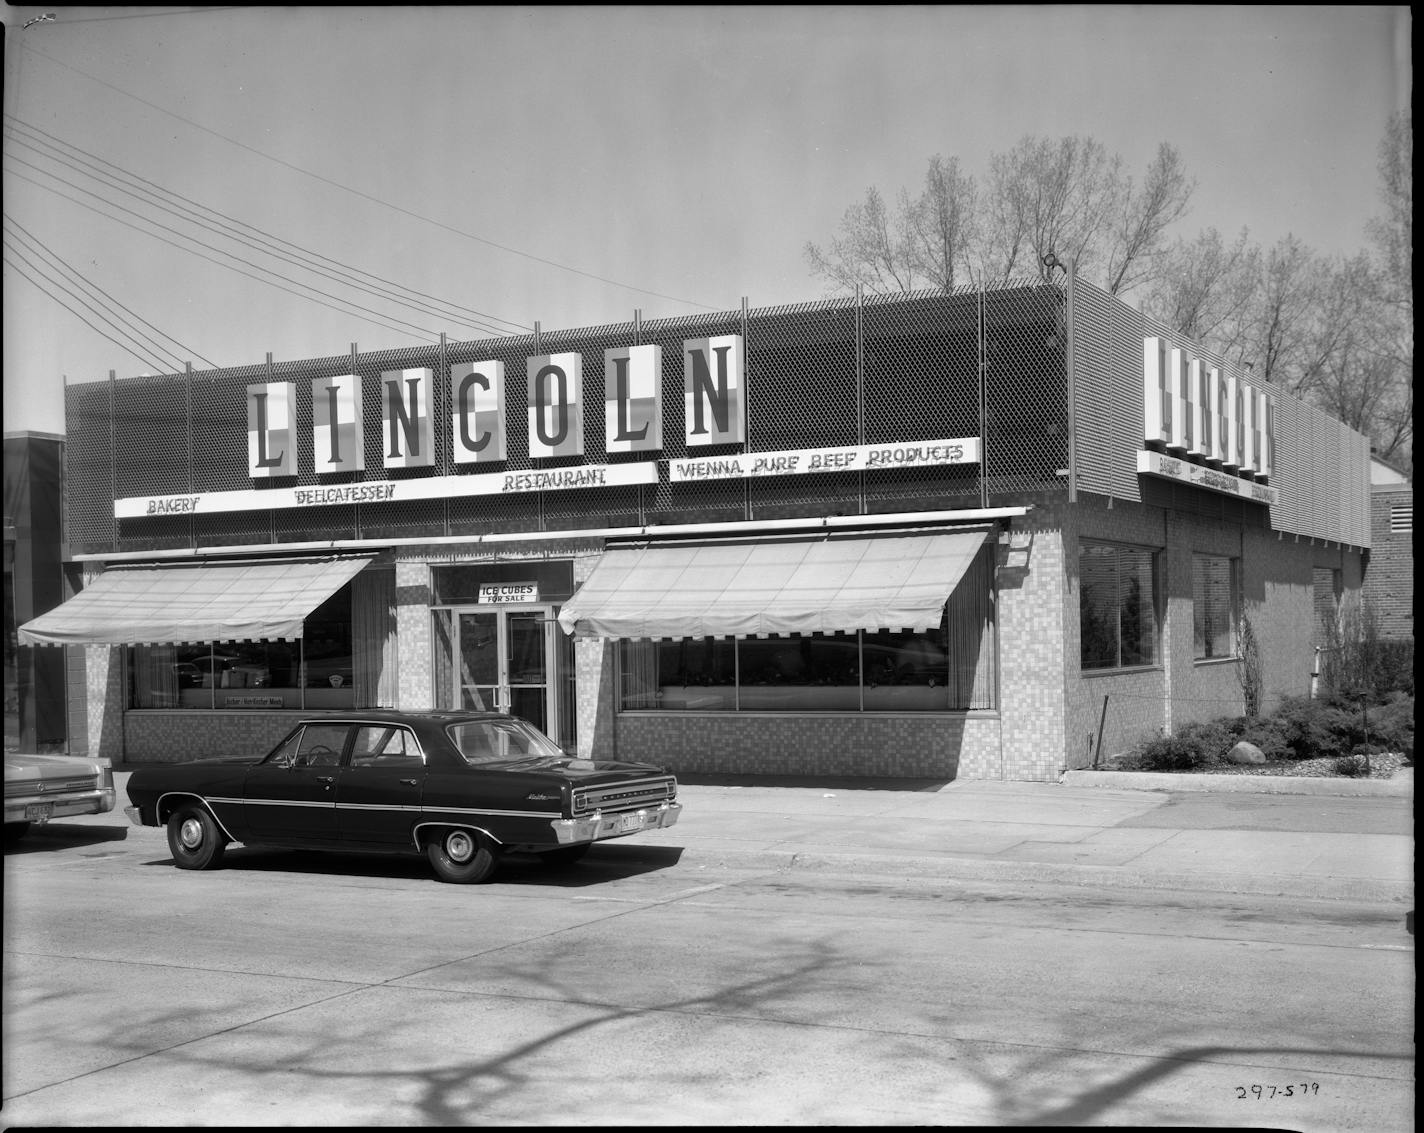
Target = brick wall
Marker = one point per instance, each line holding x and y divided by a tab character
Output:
169	736
1277	594
1389	579
930	747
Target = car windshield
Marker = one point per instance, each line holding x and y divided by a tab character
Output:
495	741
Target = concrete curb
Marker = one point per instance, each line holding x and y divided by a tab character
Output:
945	868
1398	787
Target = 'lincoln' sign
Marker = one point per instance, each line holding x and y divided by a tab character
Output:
714	406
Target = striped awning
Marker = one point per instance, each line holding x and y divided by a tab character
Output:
742	589
250	601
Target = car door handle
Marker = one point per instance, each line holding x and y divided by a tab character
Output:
326	778
408	782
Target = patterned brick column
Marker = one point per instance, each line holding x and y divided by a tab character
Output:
104	698
594	693
413	638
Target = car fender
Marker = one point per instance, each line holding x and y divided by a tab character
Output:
417	830
169	800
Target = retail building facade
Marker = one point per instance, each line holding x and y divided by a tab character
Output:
984	534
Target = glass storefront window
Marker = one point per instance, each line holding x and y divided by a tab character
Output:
316	672
946	669
1215	601
1117	606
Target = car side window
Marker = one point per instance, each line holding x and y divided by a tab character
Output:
321	745
286	754
385	747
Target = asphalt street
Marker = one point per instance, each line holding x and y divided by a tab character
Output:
795	954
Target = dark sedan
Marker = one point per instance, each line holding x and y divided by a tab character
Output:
462	788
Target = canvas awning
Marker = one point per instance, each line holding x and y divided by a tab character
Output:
251	601
741	589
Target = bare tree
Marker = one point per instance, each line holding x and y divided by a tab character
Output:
1062	195
1275	341
1148	210
1393	233
943	222
1353	380
875	247
922	242
1049	195
1203	287
1393	237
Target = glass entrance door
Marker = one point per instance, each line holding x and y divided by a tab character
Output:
505	661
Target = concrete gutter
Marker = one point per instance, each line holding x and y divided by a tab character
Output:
1400	786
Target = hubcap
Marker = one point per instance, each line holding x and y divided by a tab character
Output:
191	834
459	846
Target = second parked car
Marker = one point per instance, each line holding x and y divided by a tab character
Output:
39	788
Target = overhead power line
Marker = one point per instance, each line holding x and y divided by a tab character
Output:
149	362
237	230
267	277
367	196
92	287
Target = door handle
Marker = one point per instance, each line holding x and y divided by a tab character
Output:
408	782
328	779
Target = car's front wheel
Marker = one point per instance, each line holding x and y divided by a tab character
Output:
194	838
461	856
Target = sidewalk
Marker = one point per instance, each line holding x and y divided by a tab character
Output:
1215	837
1317	845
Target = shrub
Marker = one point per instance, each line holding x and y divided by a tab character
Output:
1353	766
1195	745
1314	729
1337	728
1392	725
1269	734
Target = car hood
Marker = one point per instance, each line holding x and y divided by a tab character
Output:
25	766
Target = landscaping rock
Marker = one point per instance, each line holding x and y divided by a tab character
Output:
1245	752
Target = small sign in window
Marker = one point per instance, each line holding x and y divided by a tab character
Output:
496	593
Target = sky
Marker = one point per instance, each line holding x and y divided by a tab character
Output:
507	166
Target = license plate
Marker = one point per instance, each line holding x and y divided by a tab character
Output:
38	812
625	823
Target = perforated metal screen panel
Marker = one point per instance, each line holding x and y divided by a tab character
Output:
884	370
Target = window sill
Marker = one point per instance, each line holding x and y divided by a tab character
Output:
782	713
1126	671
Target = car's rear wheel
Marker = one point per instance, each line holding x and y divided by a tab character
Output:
565	855
194	838
461	856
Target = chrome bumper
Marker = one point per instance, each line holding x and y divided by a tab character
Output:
134	815
617	825
59	806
